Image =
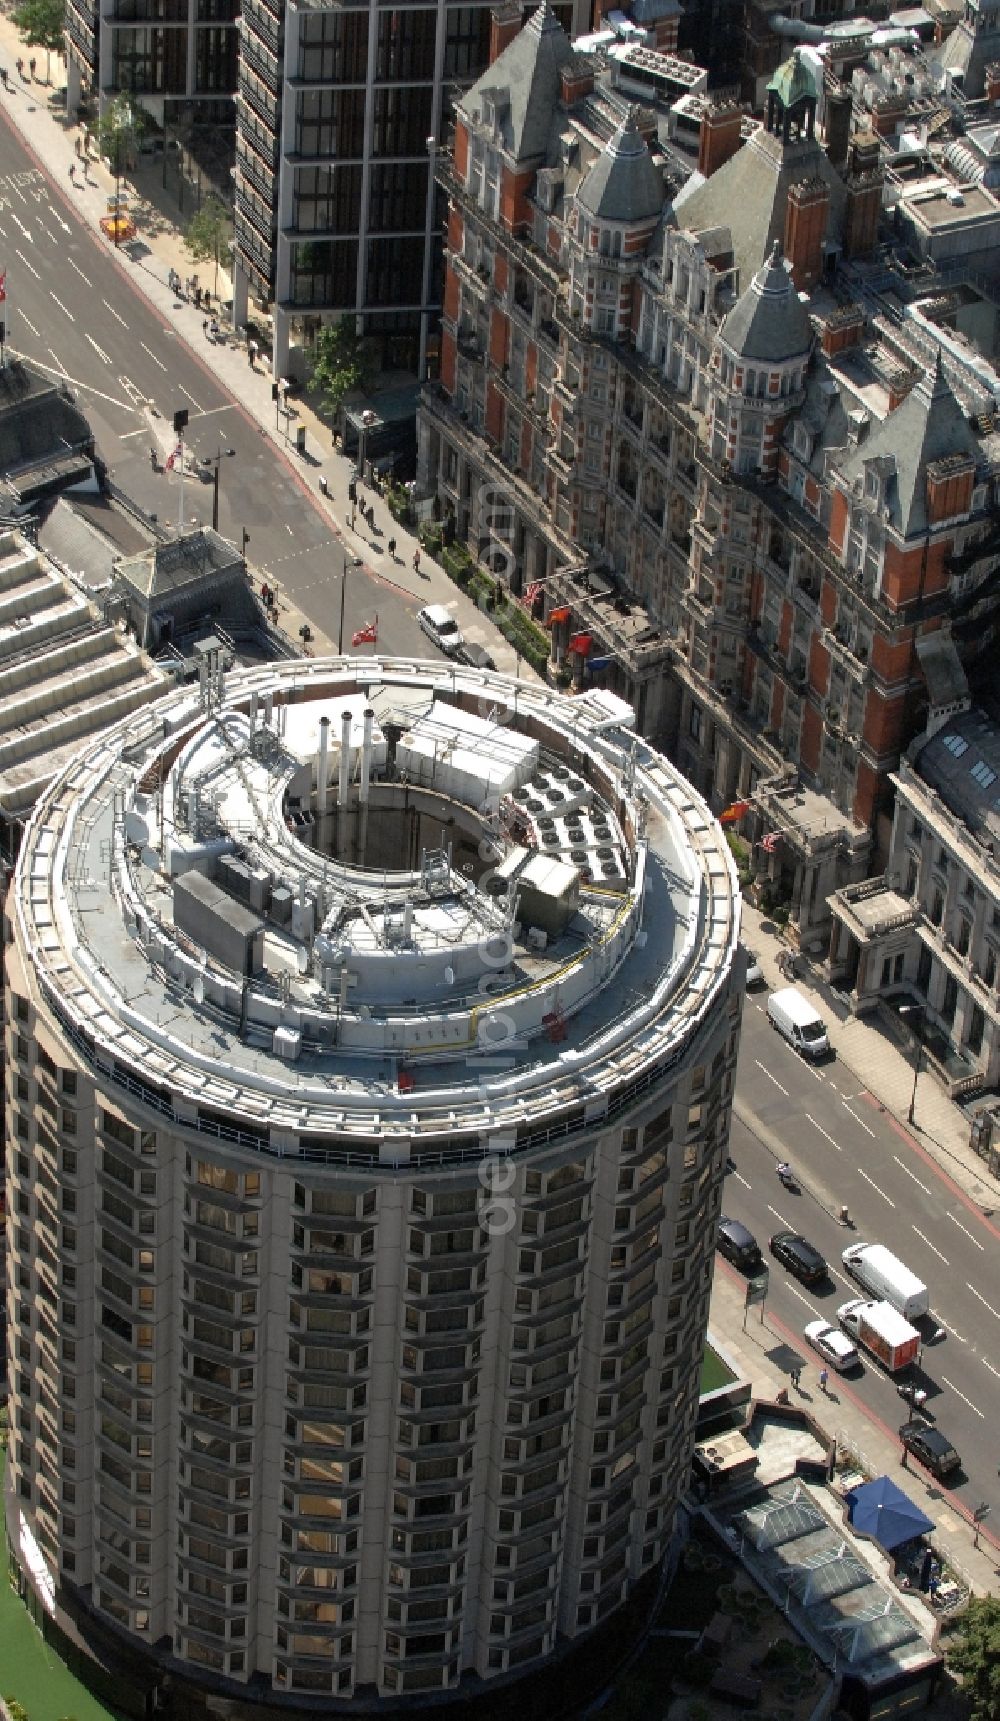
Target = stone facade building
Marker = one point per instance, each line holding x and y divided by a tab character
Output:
740	488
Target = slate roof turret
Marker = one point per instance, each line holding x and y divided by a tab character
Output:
524	84
623	184
769	323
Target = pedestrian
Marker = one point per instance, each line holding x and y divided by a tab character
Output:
252	353
197	298
3	77
795	1376
823	1379
391	547
72	173
32	63
416	561
79	146
213	329
19	63
152	459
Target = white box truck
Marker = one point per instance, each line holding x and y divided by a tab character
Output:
797	1020
882	1330
884	1275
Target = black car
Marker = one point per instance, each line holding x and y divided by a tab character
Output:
738	1245
931	1447
802	1260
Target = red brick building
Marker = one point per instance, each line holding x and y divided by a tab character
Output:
655	414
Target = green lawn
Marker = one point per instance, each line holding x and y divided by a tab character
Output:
714	1372
29	1669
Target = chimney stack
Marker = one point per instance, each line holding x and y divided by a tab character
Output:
505	22
805	230
838	125
719	137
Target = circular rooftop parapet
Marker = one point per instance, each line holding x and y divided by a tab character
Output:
389	911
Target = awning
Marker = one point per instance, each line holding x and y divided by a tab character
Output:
881	1510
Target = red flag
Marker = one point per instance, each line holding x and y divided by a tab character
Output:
367	635
771	841
582	643
168	464
734	812
563	613
3	287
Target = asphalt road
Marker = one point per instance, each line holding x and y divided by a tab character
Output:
72	310
846	1152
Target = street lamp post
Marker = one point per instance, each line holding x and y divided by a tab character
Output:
369	419
215	461
913	1015
349	562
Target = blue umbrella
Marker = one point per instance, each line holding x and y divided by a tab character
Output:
881	1510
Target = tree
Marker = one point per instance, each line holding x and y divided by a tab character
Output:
342	362
975	1657
42	24
208	234
119	129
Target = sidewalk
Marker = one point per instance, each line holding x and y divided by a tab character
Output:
52	137
872	1444
884	1067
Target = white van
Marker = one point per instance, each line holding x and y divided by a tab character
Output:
887	1278
796	1019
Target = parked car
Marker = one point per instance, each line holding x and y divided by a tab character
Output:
833	1345
931	1447
440	625
755	973
797	1254
740	1246
476	656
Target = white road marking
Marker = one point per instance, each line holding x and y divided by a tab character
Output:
961	1395
742	1180
30	267
127	435
823	1132
153	356
980	1298
812	1312
64	225
288	529
60	368
961	1227
62	307
30	324
25	230
858	1119
211	411
99	350
989	1365
114	313
909	1173
79	271
190	397
780	1216
757	1061
875	1186
931	1245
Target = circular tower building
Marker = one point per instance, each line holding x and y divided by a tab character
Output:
371	1035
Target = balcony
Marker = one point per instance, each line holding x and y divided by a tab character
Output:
531	258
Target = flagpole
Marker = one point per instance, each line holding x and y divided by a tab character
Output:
180	490
3	320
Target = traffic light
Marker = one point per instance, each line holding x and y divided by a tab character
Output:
181	417
274	391
352	491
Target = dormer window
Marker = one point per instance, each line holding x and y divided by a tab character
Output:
872	484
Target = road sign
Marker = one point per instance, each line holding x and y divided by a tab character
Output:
756	1293
980	1513
118	200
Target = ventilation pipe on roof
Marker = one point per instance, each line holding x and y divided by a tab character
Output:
322	764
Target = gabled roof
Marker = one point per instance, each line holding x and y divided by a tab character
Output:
623	184
749	195
769	322
524	84
929	425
